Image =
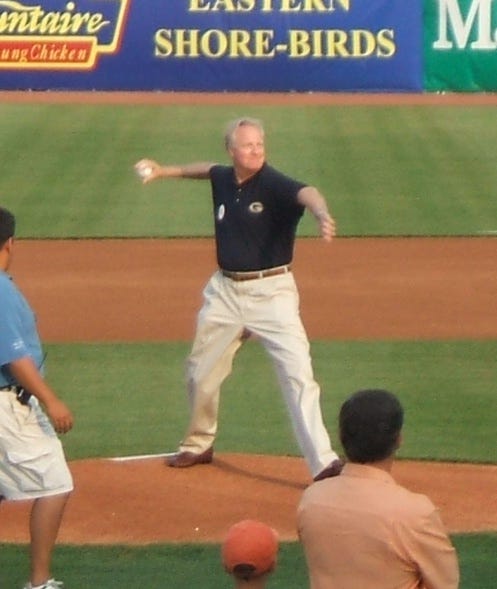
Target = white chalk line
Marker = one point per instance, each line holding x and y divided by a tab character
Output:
140	457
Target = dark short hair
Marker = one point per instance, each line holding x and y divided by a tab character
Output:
7	225
370	422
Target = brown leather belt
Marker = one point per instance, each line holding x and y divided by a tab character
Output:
254	275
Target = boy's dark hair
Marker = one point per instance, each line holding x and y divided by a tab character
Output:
370	422
7	225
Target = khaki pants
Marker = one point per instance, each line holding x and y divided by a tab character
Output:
268	309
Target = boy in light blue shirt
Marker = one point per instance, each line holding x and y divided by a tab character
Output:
32	461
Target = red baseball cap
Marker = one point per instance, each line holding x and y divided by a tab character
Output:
252	543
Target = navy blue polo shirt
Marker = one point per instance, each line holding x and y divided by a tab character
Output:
255	221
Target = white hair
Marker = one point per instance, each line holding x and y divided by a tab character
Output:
232	126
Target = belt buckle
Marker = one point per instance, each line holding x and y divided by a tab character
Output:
23	396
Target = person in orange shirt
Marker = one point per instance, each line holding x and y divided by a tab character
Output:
362	529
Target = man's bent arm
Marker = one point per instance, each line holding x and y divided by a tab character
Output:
316	204
28	377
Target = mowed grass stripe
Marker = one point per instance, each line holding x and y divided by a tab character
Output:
385	170
136	391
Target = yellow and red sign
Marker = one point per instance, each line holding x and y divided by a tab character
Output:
59	35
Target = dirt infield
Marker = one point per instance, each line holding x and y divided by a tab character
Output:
149	290
253	98
142	502
353	288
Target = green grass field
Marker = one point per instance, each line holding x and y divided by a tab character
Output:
447	389
384	170
187	566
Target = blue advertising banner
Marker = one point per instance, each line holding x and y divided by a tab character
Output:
212	45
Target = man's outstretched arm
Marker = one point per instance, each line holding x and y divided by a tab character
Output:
150	170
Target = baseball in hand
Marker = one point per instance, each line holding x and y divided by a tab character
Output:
144	171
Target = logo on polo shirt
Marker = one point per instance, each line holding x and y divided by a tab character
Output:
18	344
256	207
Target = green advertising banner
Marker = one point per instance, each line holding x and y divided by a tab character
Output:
460	45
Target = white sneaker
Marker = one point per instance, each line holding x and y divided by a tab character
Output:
50	584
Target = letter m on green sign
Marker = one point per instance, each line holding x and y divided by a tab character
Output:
462	20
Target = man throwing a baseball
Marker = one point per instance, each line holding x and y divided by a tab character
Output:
253	293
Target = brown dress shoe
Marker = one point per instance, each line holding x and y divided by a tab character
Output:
186	459
333	470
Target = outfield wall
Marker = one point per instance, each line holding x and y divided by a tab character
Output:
249	45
